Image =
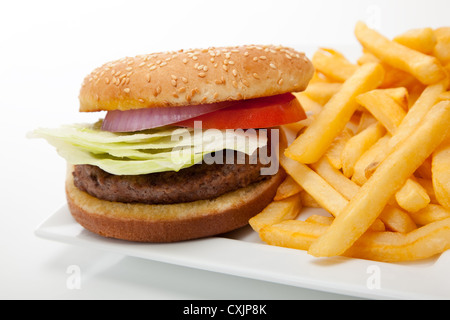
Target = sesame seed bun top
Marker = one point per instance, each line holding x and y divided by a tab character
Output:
190	77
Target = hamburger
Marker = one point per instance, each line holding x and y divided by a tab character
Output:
187	146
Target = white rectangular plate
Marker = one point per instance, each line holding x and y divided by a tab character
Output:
242	253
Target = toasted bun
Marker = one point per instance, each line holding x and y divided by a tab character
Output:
195	77
169	223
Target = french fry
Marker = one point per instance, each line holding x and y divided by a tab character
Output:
316	218
424	171
276	212
440	169
324	194
393	77
374	152
425	68
365	120
422	40
400	95
427	184
333	64
358	144
335	178
321	92
417	112
412	196
370	159
431	213
287	189
295	234
316	139
309	105
367	57
316	186
383	107
442	47
393	218
373	196
333	154
308	201
444	96
421	243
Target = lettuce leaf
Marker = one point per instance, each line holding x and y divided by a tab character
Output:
156	150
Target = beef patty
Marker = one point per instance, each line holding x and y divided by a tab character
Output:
198	182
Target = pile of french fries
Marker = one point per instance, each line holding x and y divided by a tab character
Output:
374	153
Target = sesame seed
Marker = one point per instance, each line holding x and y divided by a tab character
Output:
107	80
174	77
163	64
234	83
182	89
263	57
131	68
272	66
140	64
127	90
216	95
157	91
149	78
245	82
212	60
255	59
185	60
231	62
195	58
184	79
255	75
288	56
280	82
246	53
152	68
234	72
141	100
205	68
202	74
174	82
224	67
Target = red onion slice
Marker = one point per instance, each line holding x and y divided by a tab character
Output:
141	119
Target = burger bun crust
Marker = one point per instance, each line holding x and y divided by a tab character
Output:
192	77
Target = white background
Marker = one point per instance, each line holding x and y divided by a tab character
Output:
47	47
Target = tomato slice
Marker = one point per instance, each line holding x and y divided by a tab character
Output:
253	113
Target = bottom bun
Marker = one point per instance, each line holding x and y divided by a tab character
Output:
171	222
